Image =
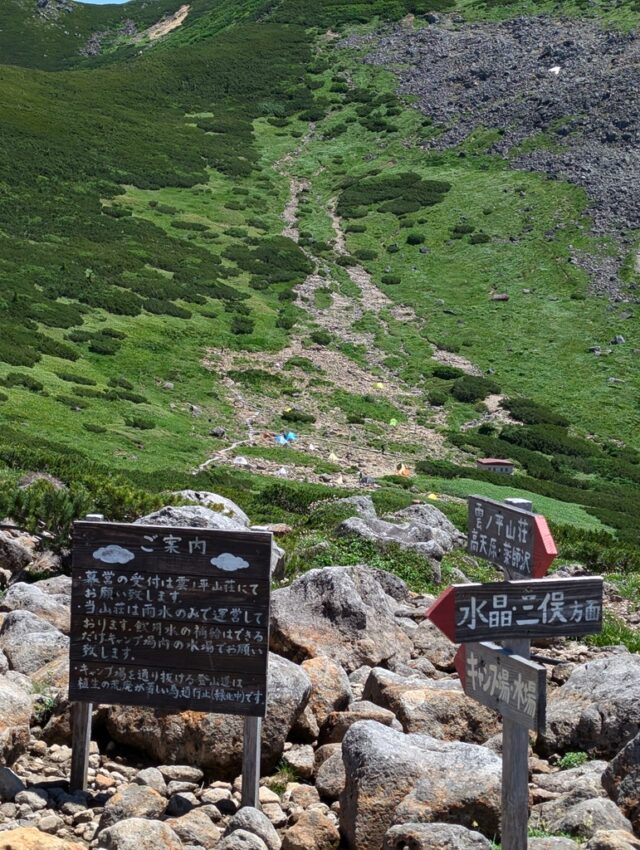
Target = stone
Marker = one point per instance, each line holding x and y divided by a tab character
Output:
395	778
578	819
330	687
195	828
552	843
331	776
621	780
15	715
301	759
181	804
437	707
433	836
312	831
215	502
306	729
133	801
340	612
28	838
10	785
585	780
255	822
35	798
152	777
29	642
48	606
616	839
339	722
597	710
139	834
181	773
430	643
50	823
301	795
16	551
242	840
214	741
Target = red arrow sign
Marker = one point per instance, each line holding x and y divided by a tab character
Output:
516	540
442	614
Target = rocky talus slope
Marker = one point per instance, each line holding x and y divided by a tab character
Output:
369	742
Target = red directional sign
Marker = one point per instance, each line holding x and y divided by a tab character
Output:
516	540
519	609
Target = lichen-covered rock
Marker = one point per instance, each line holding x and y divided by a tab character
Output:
139	834
15	714
214	741
52	607
606	839
330	687
312	831
29	642
16	550
621	780
585	780
29	838
196	828
581	819
597	710
343	613
216	503
436	707
133	801
433	836
253	821
396	778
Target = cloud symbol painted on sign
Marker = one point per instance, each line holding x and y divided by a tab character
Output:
113	555
229	563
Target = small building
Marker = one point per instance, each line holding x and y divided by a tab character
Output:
495	464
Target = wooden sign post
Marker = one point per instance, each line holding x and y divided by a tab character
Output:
175	619
514	611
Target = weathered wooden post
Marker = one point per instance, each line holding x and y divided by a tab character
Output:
81	726
515	750
524	606
251	762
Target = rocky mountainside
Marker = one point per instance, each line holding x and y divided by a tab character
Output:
369	741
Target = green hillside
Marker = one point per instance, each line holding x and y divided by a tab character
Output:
158	316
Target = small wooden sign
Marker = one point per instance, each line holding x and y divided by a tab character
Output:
519	609
170	618
511	538
513	686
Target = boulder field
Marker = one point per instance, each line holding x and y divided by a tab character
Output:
369	742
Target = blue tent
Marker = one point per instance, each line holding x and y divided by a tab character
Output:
281	440
290	436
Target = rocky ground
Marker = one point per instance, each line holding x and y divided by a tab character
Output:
369	741
573	81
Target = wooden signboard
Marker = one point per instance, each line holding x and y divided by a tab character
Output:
170	618
513	686
519	609
516	540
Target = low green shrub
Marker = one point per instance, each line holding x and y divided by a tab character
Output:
470	388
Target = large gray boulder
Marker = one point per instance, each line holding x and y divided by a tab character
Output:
613	839
436	707
344	613
199	516
29	642
214	741
581	819
585	780
254	821
621	780
52	607
15	715
597	710
434	836
217	503
396	778
133	801
16	550
139	834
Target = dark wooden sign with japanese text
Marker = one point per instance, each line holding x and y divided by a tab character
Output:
511	538
519	609
514	687
170	618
